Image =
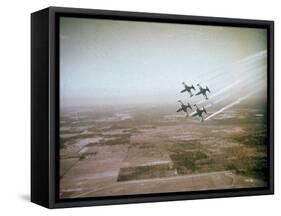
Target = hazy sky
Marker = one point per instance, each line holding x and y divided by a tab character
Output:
109	61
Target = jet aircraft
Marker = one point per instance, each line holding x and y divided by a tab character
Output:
203	91
199	112
184	107
187	89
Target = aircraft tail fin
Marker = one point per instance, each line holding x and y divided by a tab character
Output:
204	110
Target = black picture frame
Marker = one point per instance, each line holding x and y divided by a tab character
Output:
45	106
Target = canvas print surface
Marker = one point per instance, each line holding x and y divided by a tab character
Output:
156	107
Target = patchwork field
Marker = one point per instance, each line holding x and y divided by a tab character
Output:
136	150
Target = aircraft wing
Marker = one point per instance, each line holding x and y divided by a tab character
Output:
183	90
180	109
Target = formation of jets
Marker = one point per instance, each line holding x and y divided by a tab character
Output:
199	110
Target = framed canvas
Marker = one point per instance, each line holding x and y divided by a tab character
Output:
139	107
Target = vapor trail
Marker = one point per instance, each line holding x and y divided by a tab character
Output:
249	60
238	69
226	96
232	85
245	60
230	105
221	91
212	103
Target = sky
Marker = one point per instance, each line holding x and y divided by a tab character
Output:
128	62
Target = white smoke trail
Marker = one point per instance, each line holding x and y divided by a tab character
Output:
221	91
231	105
228	95
251	71
213	103
247	79
246	82
255	76
242	61
248	61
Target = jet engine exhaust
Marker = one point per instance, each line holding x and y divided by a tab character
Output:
230	105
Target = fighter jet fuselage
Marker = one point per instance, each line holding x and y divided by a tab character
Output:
203	91
187	89
199	112
184	107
